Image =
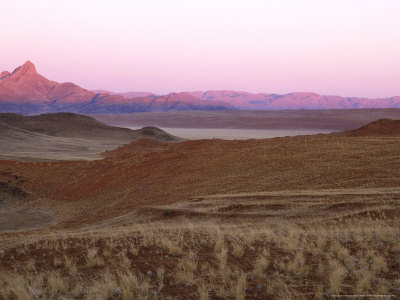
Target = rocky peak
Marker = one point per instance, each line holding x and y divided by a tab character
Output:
26	69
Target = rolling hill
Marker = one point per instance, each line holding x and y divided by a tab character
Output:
144	172
65	136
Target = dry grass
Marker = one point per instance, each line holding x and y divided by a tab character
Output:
336	278
260	265
186	268
92	259
237	250
267	269
57	284
58	262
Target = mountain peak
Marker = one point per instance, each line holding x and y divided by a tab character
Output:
24	73
26	69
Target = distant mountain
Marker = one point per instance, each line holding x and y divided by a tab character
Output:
24	91
27	92
127	95
249	101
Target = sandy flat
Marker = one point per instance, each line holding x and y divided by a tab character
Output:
238	134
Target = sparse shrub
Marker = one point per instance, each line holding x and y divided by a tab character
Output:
103	288
379	264
125	262
241	286
203	292
133	250
93	260
219	243
58	262
57	284
319	293
160	277
71	266
336	277
174	248
363	284
260	265
222	257
30	265
237	250
186	268
129	284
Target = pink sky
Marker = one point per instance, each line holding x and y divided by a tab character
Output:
341	47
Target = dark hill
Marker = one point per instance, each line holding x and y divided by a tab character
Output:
66	136
79	126
382	127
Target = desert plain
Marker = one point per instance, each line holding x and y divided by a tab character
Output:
112	213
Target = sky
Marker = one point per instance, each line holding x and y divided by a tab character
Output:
331	47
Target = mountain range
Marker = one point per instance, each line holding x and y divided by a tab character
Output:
25	91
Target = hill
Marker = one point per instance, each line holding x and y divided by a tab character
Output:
64	136
81	126
149	173
382	127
